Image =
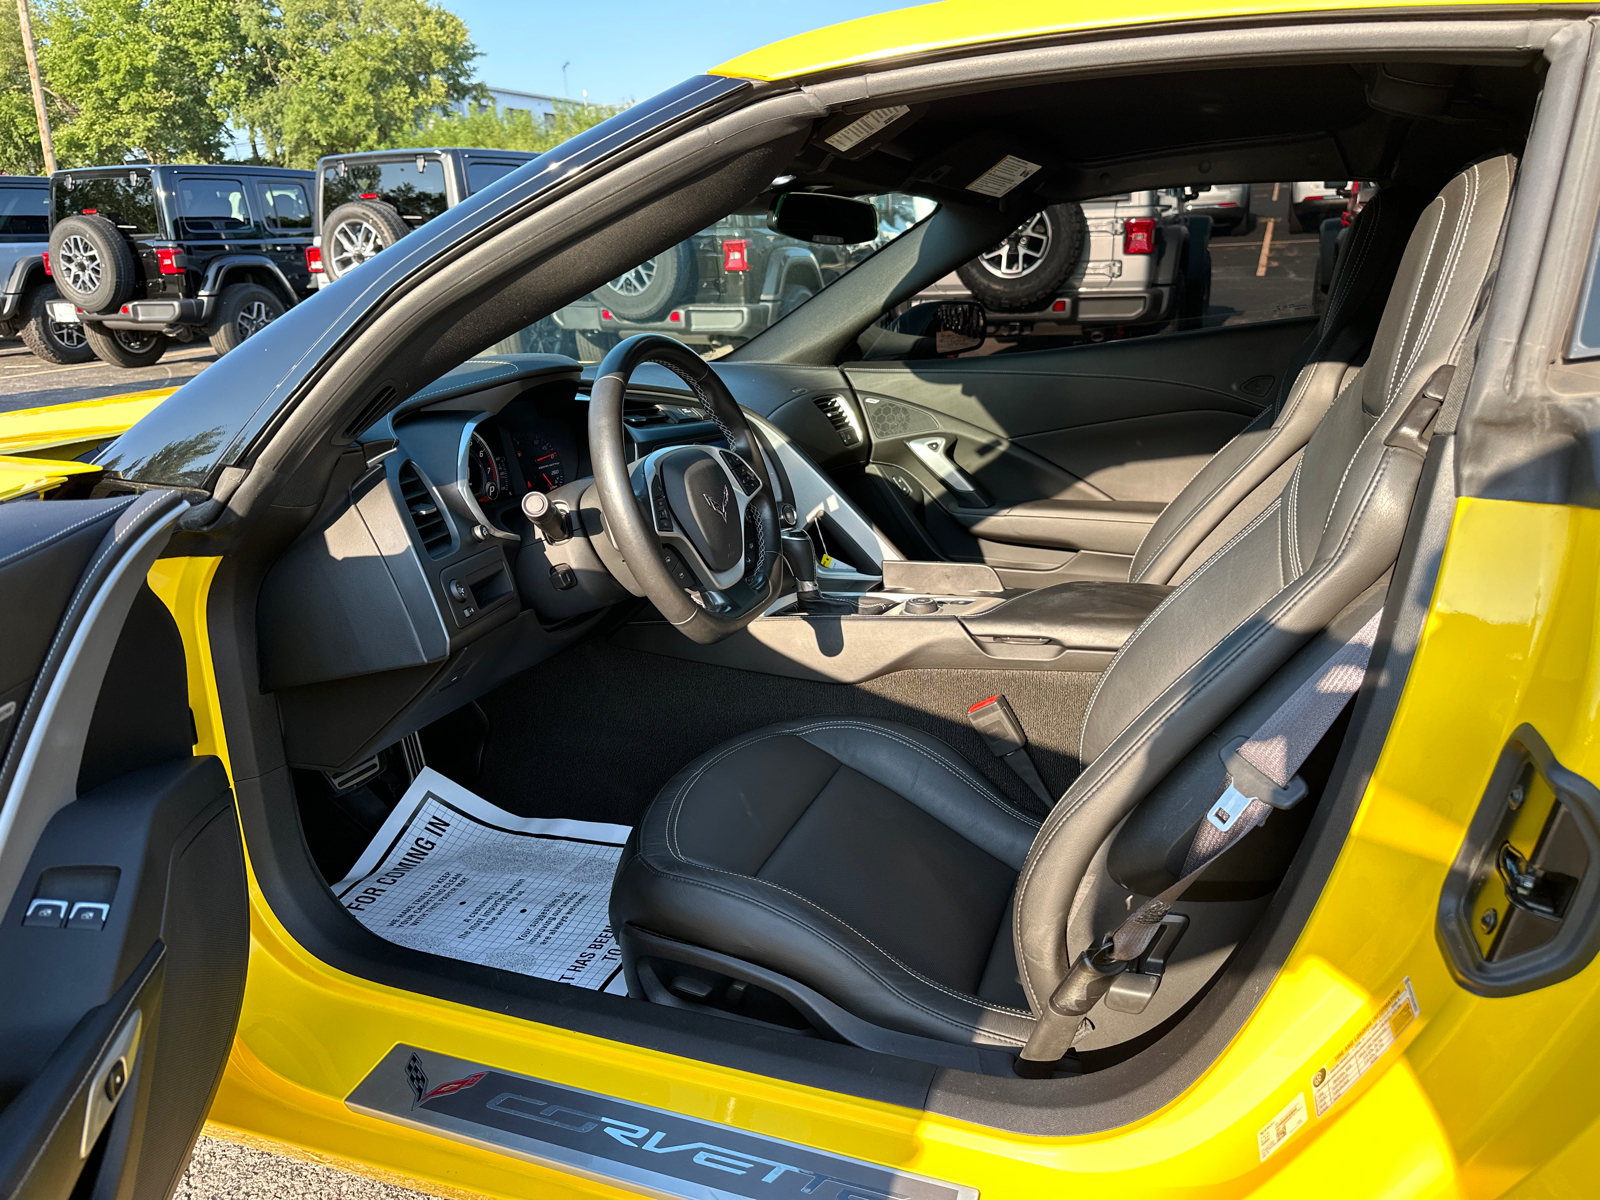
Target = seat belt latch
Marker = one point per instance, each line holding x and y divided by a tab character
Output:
1004	736
1246	783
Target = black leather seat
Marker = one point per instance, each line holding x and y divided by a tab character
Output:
871	864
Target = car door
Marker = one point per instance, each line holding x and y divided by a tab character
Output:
125	927
286	210
1052	464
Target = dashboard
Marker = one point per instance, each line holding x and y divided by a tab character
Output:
422	584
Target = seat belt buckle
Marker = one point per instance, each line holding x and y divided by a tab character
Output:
1004	735
1247	783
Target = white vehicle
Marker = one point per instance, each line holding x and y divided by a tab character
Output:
1227	204
1311	201
1134	261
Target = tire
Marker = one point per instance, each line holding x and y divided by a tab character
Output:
91	263
1194	280
126	347
592	347
649	289
52	341
793	297
245	309
357	231
1028	268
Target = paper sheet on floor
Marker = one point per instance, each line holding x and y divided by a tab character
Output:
452	874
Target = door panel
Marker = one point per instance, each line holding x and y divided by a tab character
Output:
125	922
964	450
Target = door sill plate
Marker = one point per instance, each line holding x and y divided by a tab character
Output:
618	1142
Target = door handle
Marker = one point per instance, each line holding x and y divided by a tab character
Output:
934	453
1520	907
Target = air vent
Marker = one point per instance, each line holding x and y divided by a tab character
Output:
371	411
842	417
424	509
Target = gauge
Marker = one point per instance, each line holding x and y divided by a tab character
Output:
486	475
541	464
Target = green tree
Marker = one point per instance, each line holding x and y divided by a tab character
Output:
315	77
136	78
19	129
514	130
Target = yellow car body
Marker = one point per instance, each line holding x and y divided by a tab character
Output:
1464	1095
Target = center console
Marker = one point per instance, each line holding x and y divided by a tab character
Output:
922	615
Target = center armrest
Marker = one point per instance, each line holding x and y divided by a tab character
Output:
1109	526
1085	614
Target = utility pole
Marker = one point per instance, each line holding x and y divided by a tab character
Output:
38	89
564	67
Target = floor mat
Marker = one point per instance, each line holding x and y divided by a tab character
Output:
451	874
595	731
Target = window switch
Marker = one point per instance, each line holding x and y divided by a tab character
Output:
88	914
46	913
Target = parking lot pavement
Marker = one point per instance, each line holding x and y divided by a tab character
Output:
223	1171
28	382
1283	286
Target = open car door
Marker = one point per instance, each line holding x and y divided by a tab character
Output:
125	932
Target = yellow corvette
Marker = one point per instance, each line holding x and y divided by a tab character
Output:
669	680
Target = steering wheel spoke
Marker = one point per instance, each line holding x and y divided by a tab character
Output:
699	498
697	525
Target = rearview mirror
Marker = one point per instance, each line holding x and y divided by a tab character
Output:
825	220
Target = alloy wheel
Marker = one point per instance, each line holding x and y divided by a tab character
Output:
354	242
1022	252
252	318
634	282
79	264
133	341
70	335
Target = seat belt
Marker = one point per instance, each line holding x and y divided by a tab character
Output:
1262	774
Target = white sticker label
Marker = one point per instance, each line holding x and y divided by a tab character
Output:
1279	1130
859	130
1003	176
1366	1048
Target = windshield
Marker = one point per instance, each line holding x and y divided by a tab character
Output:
713	291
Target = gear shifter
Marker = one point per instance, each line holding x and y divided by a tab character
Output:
801	556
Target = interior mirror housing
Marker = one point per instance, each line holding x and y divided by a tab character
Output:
822	219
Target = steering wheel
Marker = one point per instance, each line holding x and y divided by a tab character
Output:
697	525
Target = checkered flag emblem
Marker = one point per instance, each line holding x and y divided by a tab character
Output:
417	1078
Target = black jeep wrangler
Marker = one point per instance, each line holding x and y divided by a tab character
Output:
144	255
368	201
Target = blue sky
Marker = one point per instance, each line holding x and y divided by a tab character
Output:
631	49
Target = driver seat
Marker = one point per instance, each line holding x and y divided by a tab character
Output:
871	864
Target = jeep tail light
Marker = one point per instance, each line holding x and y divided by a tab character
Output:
167	259
735	256
47	262
314	259
674	315
369	195
605	315
1059	306
1139	235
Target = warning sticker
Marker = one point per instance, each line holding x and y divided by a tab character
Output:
859	130
1003	176
1366	1048
1278	1130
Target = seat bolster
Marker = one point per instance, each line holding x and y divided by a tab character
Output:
928	774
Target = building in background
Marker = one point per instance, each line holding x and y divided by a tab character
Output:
509	100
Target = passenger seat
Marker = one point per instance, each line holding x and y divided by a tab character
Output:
1242	478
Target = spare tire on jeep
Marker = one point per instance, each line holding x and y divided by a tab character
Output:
1029	267
91	263
650	288
357	231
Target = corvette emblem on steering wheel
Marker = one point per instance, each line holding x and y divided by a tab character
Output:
722	509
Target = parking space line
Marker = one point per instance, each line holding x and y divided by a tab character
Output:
1266	245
